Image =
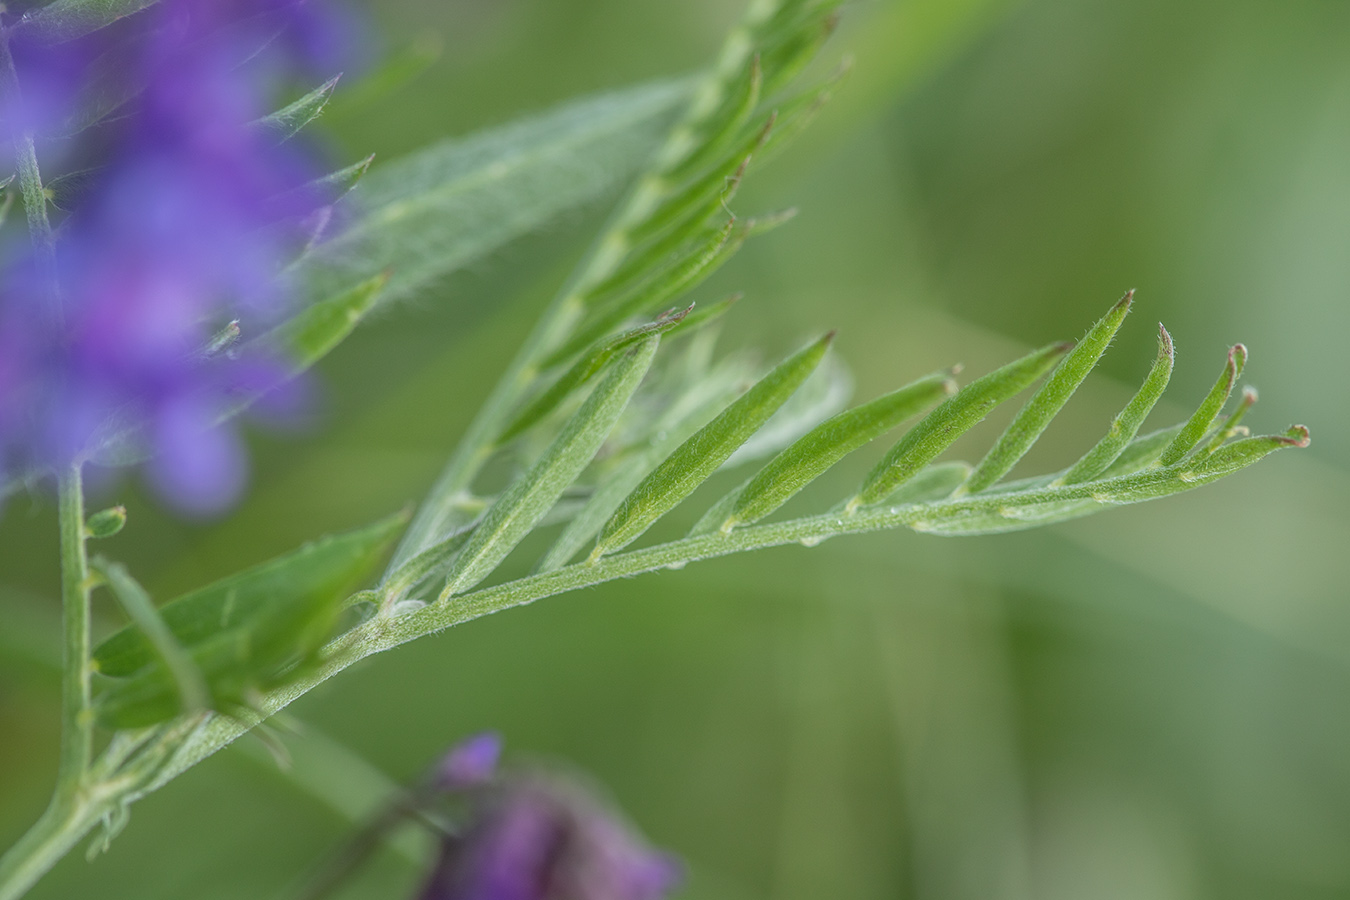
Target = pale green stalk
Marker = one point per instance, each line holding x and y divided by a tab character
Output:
72	811
77	721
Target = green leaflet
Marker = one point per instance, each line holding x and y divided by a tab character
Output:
286	122
321	573
583	370
1126	425
1199	423
949	421
786	53
1232	426
65	20
435	558
333	187
428	214
706	188
798	112
531	496
1242	453
312	333
1045	404
697	458
686	271
685	415
723	124
646	261
814	453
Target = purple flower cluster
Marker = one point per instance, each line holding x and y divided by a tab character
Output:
181	227
538	837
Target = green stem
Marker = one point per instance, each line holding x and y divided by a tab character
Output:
50	839
77	721
73	810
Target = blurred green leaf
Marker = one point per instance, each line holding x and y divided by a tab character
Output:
333	187
192	690
395	70
683	272
311	334
793	37
722	126
65	20
326	569
430	213
287	122
706	190
244	634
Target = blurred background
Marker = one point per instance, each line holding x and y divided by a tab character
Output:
1152	703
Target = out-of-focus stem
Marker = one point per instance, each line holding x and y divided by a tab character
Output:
77	721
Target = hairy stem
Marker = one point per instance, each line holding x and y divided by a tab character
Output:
50	838
77	720
73	809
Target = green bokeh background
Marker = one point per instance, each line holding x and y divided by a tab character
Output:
1152	703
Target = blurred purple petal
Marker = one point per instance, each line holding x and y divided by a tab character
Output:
471	762
200	470
175	236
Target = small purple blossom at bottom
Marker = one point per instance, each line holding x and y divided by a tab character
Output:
532	836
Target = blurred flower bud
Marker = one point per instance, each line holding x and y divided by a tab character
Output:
106	523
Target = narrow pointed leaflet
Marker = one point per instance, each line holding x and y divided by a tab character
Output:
940	428
527	500
1126	425
697	458
814	453
1046	403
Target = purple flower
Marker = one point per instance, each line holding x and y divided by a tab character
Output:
182	229
538	837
